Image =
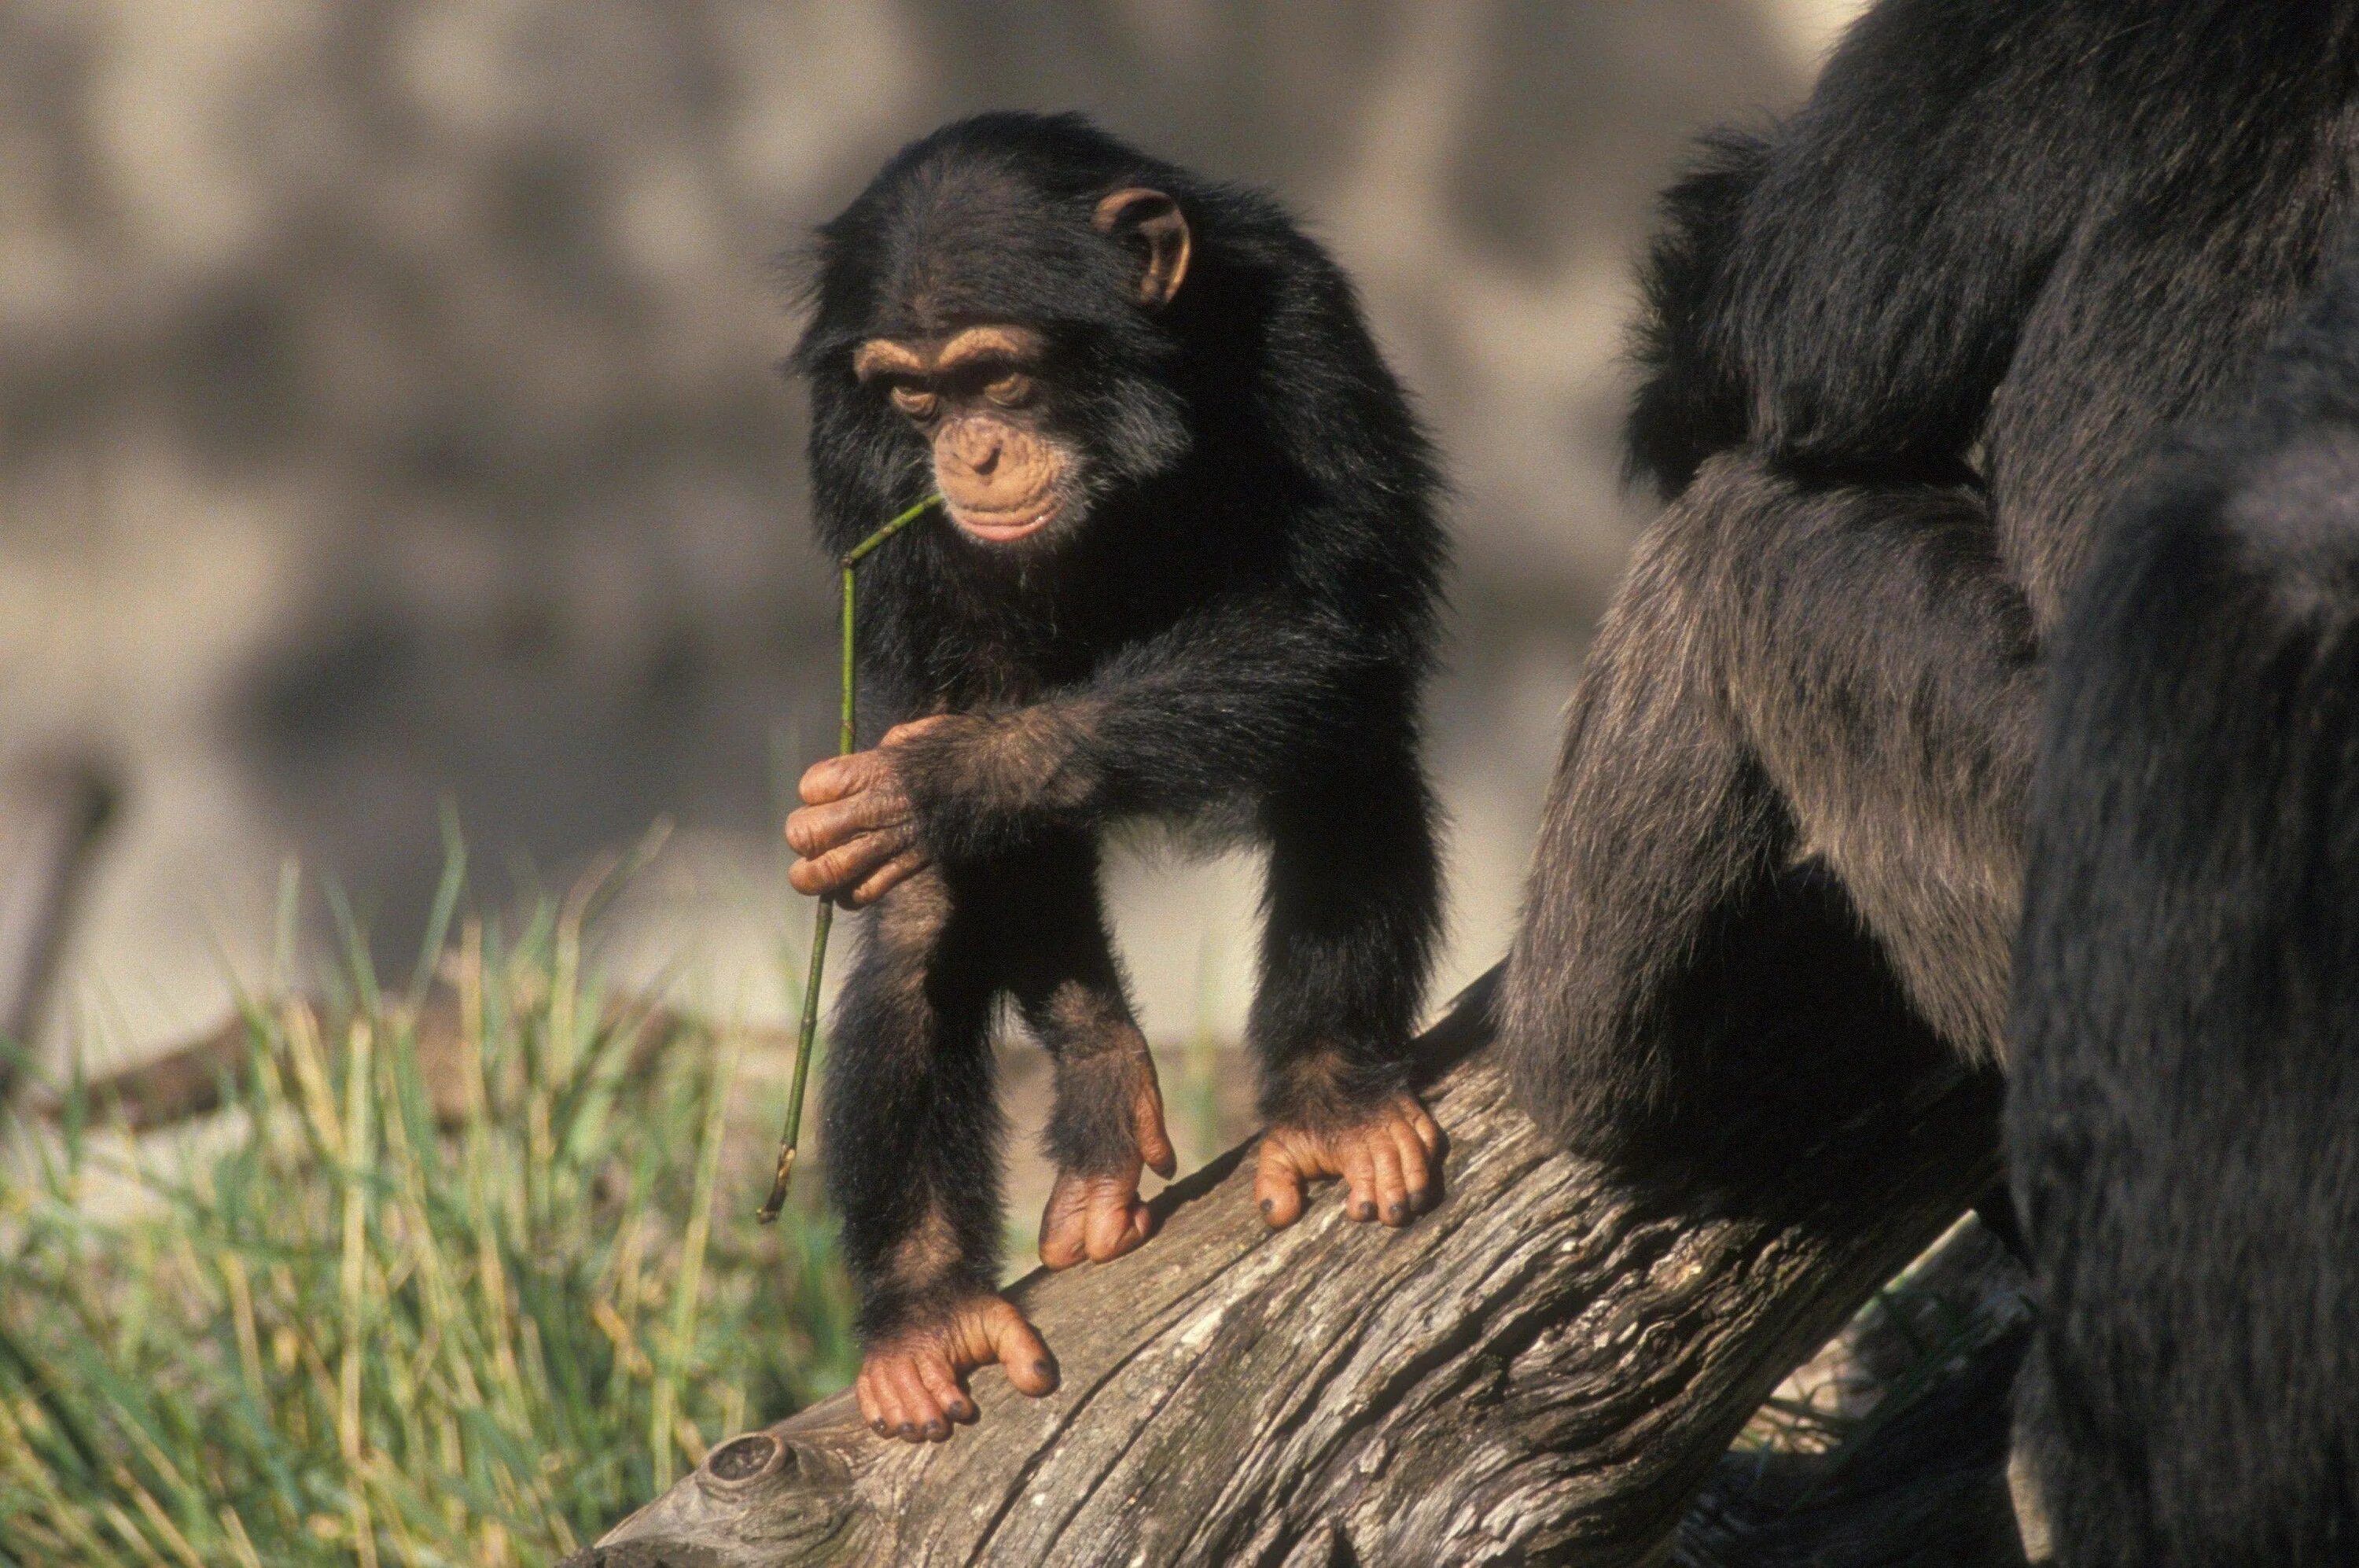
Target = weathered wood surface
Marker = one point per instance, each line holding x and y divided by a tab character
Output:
1542	1370
51	810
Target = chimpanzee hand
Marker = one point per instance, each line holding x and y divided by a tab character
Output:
1389	1159
856	835
913	1384
1096	1213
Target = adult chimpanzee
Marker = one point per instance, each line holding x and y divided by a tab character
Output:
1898	354
2184	1116
1189	570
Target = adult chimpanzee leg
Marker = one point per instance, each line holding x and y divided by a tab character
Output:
912	1157
1659	820
1793	669
1353	903
1883	668
1106	1125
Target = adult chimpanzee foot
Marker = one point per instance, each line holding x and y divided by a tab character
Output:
1391	1160
913	1384
1100	1216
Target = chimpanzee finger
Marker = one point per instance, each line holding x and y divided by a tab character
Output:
846	865
1417	1165
1360	1177
919	1414
871	1410
1278	1185
1064	1223
833	778
1386	1184
814	830
828	780
1429	1131
1118	1222
1020	1351
942	1383
887	878
891	1417
1154	1141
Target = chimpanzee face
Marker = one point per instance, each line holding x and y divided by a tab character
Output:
1008	435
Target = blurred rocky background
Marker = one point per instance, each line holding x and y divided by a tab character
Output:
388	417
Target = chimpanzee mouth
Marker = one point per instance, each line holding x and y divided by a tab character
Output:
1003	527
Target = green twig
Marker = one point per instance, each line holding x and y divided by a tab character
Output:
809	1031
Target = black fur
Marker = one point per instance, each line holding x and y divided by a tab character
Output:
2184	1116
1239	632
1898	355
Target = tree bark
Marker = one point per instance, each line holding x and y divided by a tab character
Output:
1543	1369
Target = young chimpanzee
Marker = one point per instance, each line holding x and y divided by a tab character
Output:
1188	571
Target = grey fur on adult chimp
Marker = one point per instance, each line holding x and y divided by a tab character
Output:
1900	354
2183	1119
1189	570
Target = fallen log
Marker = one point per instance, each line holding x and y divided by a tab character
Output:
1543	1369
198	1078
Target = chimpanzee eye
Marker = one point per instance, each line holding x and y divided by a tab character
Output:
914	400
1010	390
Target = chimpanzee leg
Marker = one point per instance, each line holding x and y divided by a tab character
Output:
1107	1121
1353	906
913	1158
912	1130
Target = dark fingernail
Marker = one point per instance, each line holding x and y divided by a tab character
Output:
909	1431
1366	1211
961	1411
1044	1371
1398	1212
938	1430
1269	1205
882	1428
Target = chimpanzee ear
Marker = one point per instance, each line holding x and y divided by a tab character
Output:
1155	221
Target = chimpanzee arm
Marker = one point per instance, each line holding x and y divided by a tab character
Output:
1354	903
1237	701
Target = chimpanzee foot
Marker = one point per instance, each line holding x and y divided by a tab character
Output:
1100	1216
913	1384
1391	1161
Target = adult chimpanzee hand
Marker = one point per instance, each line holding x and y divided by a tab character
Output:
856	835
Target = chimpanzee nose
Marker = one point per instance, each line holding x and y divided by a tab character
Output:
985	459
